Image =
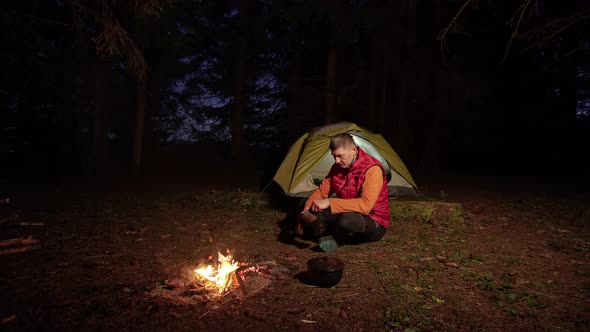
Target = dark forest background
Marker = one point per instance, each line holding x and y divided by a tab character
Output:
102	87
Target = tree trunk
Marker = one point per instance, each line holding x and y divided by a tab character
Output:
391	69
568	76
294	119
330	86
567	61
408	43
140	101
102	105
403	109
240	100
237	115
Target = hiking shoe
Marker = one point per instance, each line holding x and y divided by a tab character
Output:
327	243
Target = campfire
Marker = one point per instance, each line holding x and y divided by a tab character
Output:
219	275
220	278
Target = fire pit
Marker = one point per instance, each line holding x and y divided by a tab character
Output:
219	276
220	279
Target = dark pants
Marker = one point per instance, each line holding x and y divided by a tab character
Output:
351	227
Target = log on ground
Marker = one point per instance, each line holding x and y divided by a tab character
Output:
18	250
426	212
20	242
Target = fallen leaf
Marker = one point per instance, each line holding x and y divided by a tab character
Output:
343	314
437	300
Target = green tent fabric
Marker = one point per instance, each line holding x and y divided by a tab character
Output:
309	160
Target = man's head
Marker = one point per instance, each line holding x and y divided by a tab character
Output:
343	150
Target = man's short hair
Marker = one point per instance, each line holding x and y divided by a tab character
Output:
341	141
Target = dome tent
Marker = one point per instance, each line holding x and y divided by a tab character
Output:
309	160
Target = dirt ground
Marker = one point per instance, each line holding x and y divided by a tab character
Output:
121	258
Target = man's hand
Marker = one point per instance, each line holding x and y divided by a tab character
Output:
319	205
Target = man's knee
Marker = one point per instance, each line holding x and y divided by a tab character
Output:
351	222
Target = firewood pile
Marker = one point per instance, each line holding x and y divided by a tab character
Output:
18	245
10	219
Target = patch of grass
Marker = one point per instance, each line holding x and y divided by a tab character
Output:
408	317
395	316
506	296
545	285
415	257
393	287
328	300
476	259
391	242
469	276
372	265
484	281
530	299
508	308
511	260
426	308
427	268
263	229
459	257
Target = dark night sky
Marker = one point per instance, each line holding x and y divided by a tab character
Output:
467	108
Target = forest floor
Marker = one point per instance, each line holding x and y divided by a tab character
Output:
117	258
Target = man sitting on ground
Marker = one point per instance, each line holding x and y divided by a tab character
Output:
351	204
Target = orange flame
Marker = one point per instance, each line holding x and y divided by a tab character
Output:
219	276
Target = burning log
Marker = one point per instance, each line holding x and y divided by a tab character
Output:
220	276
241	283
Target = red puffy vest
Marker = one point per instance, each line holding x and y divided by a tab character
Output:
347	184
